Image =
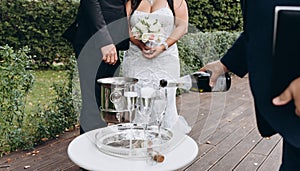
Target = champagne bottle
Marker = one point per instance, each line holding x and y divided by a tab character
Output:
184	82
199	82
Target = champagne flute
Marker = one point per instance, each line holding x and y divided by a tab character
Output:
130	94
144	109
159	105
145	105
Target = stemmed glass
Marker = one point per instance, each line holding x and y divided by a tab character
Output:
159	104
159	100
144	110
130	94
145	105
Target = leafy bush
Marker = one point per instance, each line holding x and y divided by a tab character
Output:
59	115
15	82
197	49
20	129
38	25
215	15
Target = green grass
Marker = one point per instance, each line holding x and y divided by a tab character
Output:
42	92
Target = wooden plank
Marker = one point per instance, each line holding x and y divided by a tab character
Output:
235	155
266	145
21	154
251	162
73	168
196	131
227	129
192	107
46	153
259	154
273	160
203	149
213	156
236	114
56	164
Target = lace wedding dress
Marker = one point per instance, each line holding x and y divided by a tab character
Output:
165	66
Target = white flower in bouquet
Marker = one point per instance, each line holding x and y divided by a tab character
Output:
154	26
151	37
139	29
148	30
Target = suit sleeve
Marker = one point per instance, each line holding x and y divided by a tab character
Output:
97	23
236	59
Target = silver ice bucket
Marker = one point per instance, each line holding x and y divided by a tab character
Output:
113	108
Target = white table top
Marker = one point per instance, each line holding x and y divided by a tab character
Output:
83	152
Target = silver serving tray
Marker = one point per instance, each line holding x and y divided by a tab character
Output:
133	140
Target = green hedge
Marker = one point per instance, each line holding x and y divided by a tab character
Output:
215	15
21	129
197	49
39	24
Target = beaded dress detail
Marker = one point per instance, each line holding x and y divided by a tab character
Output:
164	66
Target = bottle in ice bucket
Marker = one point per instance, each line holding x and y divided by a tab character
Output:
199	82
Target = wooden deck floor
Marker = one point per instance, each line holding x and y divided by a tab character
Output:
223	125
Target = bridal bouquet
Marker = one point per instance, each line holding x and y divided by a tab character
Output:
148	30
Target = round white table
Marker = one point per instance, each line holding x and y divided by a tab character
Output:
84	153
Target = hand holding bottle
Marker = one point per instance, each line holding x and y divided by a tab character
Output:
200	82
217	69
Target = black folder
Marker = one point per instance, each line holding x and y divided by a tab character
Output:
286	47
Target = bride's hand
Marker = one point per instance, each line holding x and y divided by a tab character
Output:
155	51
139	44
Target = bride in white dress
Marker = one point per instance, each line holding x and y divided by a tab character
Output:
163	61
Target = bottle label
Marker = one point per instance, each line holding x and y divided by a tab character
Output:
200	82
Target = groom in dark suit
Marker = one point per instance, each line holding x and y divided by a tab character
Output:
99	32
276	97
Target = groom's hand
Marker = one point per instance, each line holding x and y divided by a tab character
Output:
109	53
292	92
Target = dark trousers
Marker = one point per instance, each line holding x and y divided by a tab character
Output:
290	157
104	70
81	131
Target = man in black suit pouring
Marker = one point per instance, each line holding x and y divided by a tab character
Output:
99	32
276	96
